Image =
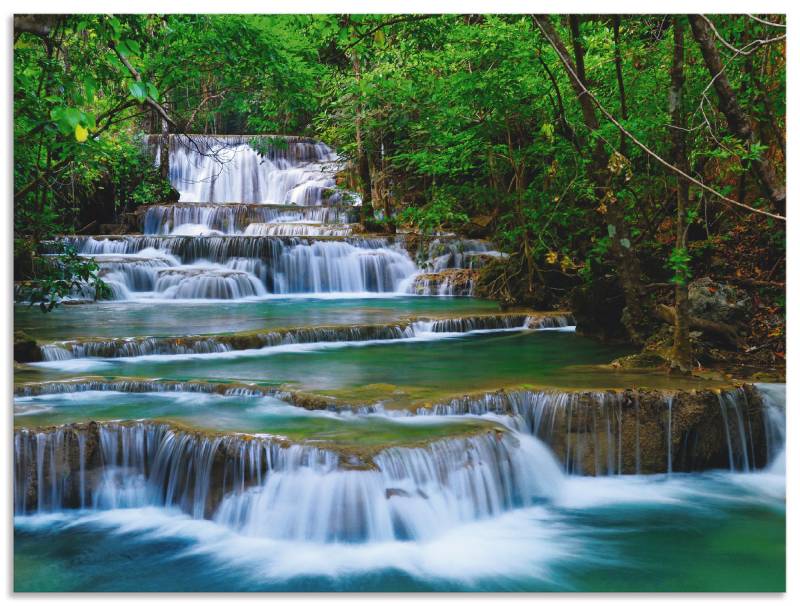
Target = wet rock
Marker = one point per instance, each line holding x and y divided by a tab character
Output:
449	282
630	431
396	492
25	348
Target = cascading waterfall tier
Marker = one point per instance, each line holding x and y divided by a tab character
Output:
202	344
449	266
298	229
447	283
213	266
644	431
251	168
143	386
264	486
455	253
262	215
164	219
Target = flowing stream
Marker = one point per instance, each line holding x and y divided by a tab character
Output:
274	401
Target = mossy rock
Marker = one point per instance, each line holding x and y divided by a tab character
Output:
644	360
26	348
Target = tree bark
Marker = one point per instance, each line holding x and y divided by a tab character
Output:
681	356
362	160
725	331
738	122
163	151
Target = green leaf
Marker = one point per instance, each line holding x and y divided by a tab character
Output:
152	91
138	90
122	48
133	47
116	27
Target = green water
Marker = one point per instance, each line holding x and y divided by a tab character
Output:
390	371
133	318
704	532
694	532
263	415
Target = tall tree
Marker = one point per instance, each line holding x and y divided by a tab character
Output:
681	358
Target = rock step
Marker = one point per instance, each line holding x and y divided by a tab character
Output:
204	344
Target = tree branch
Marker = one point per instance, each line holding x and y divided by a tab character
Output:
137	76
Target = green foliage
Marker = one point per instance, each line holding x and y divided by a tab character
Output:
82	95
434	216
679	262
450	121
63	275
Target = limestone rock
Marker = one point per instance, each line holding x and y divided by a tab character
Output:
718	302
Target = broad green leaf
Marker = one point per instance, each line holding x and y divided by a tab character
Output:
138	90
133	46
152	91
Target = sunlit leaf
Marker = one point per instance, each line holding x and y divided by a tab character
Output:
81	133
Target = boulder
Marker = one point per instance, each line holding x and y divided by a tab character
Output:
25	348
719	302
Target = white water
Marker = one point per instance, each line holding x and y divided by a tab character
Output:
274	218
467	511
227	169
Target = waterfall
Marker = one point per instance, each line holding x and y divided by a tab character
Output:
453	253
139	386
733	408
219	169
297	229
264	486
165	219
448	283
669	433
230	267
774	418
413	494
144	463
261	215
260	486
189	344
604	433
197	282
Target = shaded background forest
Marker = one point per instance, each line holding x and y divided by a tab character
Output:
618	160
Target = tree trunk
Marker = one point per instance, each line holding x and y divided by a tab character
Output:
163	150
738	121
726	332
362	160
681	357
637	316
